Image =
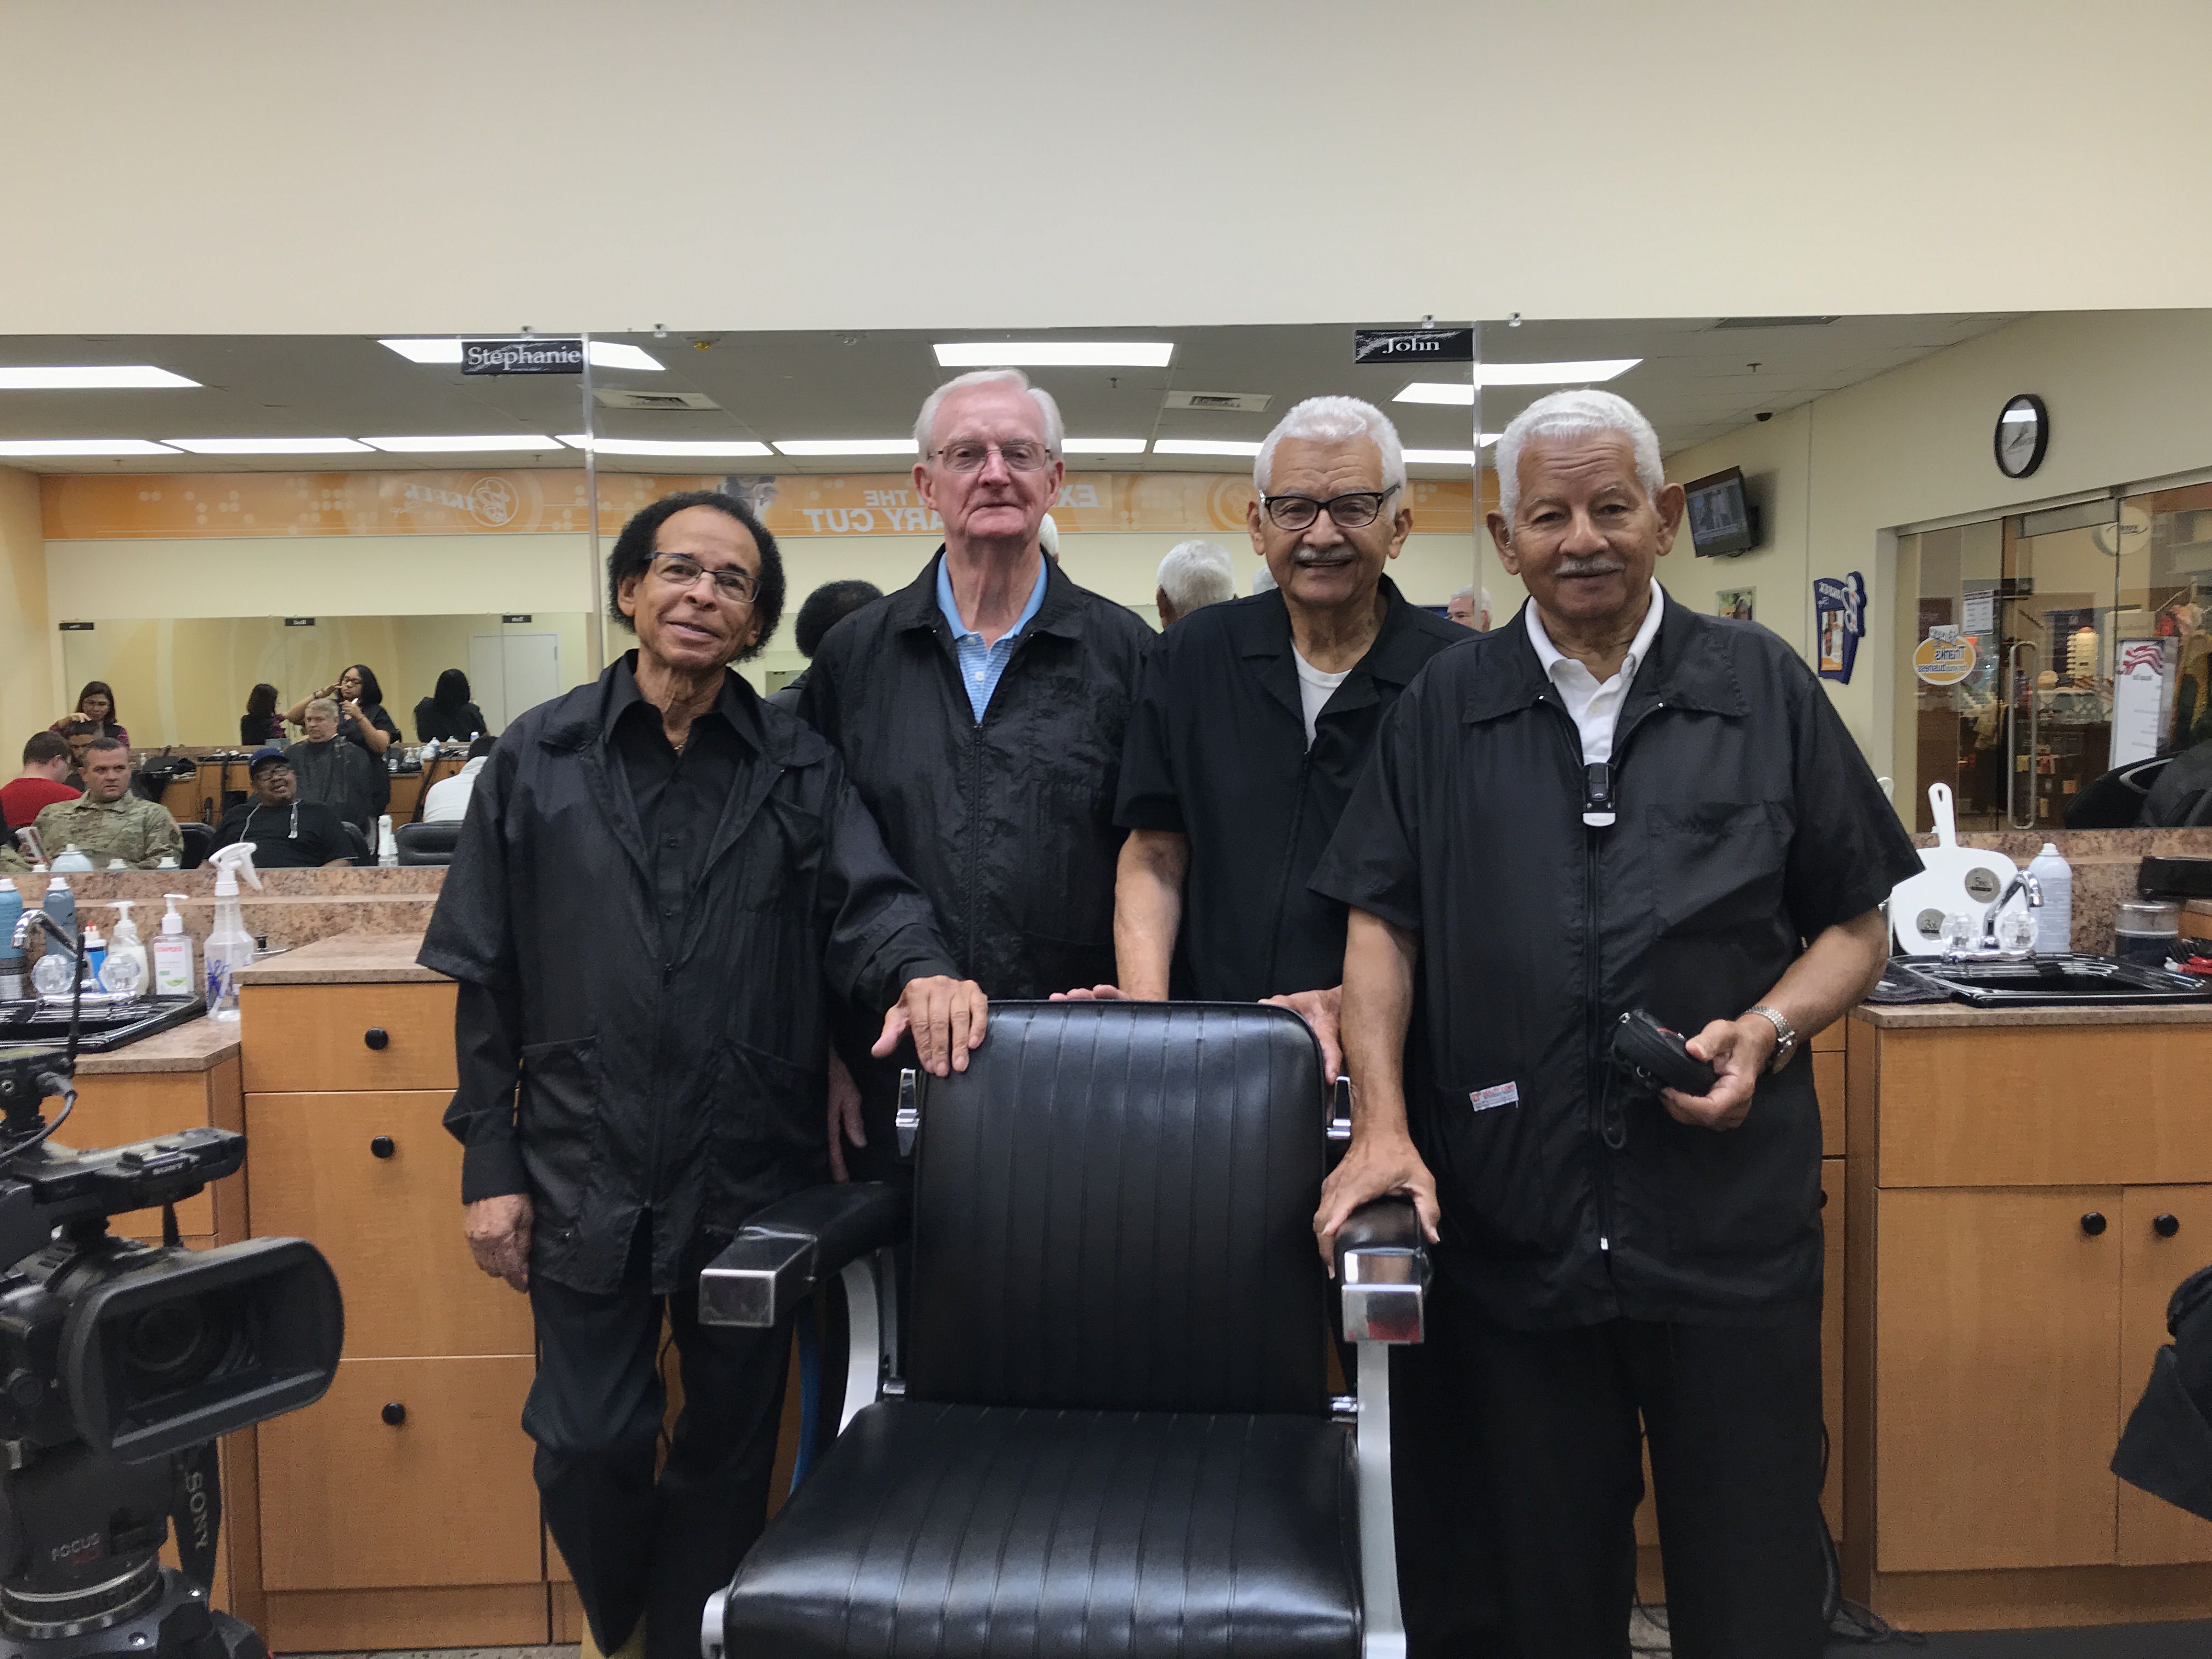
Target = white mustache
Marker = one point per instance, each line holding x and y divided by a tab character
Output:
1322	555
1599	566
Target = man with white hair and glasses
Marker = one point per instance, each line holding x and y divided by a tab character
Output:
980	711
1614	805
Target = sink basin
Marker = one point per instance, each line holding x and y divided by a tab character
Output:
2059	982
105	1026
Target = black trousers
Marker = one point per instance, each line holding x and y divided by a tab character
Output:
638	1546
1550	1474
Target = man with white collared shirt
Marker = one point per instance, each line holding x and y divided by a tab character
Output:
1625	806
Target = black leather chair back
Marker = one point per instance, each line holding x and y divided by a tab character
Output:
199	842
426	843
1114	1211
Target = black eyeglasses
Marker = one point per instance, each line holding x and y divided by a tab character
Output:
681	570
1355	511
968	455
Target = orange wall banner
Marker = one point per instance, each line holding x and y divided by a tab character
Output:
183	507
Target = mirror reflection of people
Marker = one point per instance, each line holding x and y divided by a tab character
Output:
825	607
287	833
1470	608
261	724
338	774
1194	574
1621	803
446	801
660	883
109	821
95	706
43	780
80	736
360	702
446	716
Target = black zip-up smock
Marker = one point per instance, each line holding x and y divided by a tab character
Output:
1218	752
650	942
1747	823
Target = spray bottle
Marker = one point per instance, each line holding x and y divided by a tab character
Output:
172	955
229	947
387	845
126	972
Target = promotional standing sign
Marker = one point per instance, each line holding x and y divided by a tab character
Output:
2142	693
1412	345
531	356
1839	610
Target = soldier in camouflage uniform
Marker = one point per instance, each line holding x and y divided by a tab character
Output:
107	821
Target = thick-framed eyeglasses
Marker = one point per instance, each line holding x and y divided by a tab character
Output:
681	570
968	455
1355	511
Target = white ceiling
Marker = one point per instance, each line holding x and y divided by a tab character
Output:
1697	381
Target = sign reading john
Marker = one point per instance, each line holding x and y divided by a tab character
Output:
1412	345
532	356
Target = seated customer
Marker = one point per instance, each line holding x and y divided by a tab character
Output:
78	735
825	607
96	703
287	833
446	716
261	724
46	764
360	702
446	801
108	822
342	775
2178	799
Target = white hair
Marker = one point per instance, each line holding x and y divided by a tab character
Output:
1335	419
1049	536
1469	592
1582	412
1262	578
925	424
327	705
1196	573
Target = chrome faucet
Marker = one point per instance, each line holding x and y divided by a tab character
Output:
2024	882
70	942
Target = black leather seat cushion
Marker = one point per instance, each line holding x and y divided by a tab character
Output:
965	1530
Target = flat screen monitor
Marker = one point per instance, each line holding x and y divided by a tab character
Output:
1721	520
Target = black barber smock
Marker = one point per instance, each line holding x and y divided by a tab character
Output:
1217	751
1747	823
665	1008
1005	822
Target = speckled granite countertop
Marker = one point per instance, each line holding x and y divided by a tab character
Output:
357	958
200	1046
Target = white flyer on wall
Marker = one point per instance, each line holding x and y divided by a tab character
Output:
2141	675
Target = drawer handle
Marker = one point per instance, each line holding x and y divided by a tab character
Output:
382	1147
376	1037
394	1412
2092	1224
2166	1225
1824	1198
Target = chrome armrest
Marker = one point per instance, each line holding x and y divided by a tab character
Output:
1382	1272
785	1253
908	1121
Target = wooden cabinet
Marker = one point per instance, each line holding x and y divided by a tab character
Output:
2164	1235
348	1037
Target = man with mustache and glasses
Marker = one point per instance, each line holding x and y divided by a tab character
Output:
980	711
1612	804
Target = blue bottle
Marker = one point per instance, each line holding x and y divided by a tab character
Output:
14	985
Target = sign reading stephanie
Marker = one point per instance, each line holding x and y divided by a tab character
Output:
532	356
1412	345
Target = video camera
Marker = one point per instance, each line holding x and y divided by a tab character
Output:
120	1362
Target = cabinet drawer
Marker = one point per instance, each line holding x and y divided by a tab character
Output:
443	1496
298	1038
375	1182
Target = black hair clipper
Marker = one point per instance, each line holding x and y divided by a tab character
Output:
1659	1058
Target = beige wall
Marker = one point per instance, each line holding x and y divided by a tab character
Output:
2126	395
28	698
259	166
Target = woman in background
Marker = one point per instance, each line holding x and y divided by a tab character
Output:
361	710
96	703
447	713
260	724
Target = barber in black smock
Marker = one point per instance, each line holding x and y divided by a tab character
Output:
1613	802
1253	719
660	884
981	711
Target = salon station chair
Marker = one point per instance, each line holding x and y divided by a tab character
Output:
426	843
1105	1426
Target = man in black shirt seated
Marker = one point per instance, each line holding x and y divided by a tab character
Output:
344	776
287	833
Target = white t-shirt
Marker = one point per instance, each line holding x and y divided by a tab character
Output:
1315	690
1596	708
447	801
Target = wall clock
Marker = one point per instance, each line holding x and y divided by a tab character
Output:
2023	434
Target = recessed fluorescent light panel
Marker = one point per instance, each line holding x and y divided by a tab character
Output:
1103	446
94	376
664	446
489	443
1202	447
1055	353
1446	457
845	445
1586	372
268	446
605	354
82	447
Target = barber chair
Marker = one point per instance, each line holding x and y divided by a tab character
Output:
1107	1428
2114	799
199	842
357	838
426	843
